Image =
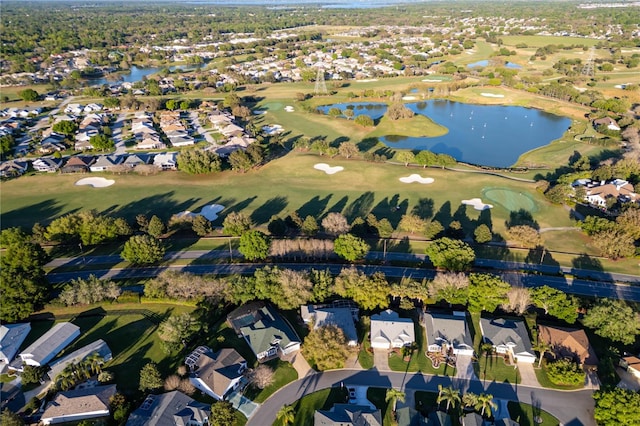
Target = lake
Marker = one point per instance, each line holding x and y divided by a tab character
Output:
490	135
135	74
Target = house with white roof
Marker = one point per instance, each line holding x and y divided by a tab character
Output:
508	337
79	404
389	331
11	337
98	347
341	317
448	332
43	350
166	160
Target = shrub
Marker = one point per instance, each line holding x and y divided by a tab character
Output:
565	372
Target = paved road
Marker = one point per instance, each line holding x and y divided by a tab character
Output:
117	136
574	286
571	408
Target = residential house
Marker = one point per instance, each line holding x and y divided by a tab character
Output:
47	164
43	350
13	168
609	122
616	190
134	160
77	164
216	373
105	163
233	144
75	109
172	408
448	332
232	130
79	404
11	337
178	141
98	347
389	331
150	141
166	160
348	414
438	418
569	343
508	337
267	333
409	416
632	365
343	318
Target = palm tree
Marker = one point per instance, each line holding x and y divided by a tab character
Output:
394	395
487	348
469	400
542	347
94	362
485	401
449	394
286	415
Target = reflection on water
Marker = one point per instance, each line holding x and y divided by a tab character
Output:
490	135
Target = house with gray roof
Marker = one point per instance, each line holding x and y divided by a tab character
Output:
171	408
13	168
508	337
11	337
98	347
216	373
106	163
79	404
267	333
43	350
348	414
448	332
342	318
389	331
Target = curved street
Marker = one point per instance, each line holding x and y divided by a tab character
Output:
571	408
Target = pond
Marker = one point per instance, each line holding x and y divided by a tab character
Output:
485	62
136	74
489	135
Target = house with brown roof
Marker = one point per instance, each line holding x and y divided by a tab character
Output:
617	189
631	364
216	373
569	343
79	404
77	164
609	122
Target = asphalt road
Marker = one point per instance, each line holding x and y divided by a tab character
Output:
574	286
571	408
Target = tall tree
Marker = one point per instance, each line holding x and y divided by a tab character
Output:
368	292
222	414
22	282
486	292
453	255
556	303
236	223
449	395
326	347
617	407
451	287
485	401
286	415
615	320
393	396
350	247
177	330
254	245
150	378
142	249
335	224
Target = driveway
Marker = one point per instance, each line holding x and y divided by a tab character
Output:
381	359
628	380
242	404
301	365
464	368
528	375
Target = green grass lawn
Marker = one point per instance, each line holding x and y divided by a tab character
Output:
544	381
419	361
306	406
284	373
377	397
495	369
541	40
416	126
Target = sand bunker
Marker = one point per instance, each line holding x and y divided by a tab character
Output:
416	178
491	95
477	204
96	182
210	212
409	98
432	80
289	108
324	167
272	129
366	80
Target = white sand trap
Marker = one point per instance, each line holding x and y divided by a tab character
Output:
477	204
186	214
366	80
289	108
211	211
416	178
324	167
272	129
409	98
491	95
431	80
96	182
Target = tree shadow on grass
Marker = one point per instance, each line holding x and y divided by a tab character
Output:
271	207
444	214
43	212
360	207
423	208
340	205
162	205
521	217
314	207
366	144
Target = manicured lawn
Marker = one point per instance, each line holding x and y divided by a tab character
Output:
365	358
417	126
541	40
495	369
130	332
284	373
306	406
525	414
377	397
419	361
